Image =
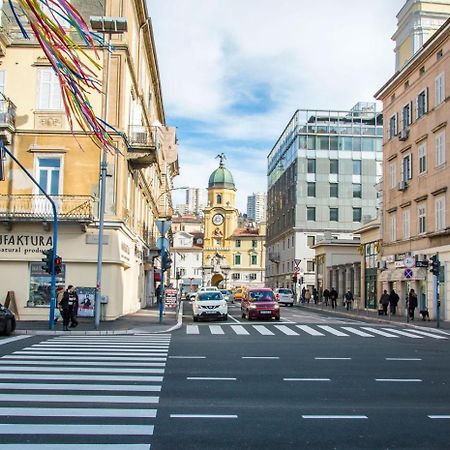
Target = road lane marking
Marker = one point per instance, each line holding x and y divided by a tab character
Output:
77	412
380	332
403	359
331	358
332	330
399	380
68	353
59	429
216	329
187	357
81	387
309	330
333	417
443	416
123	359
233	318
239	329
79	369
75	446
76	377
441	332
13	339
204	416
286	330
94	349
358	332
78	398
263	330
403	333
424	333
192	329
44	362
211	378
306	379
260	357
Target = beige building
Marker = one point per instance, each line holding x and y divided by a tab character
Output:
416	173
67	166
232	256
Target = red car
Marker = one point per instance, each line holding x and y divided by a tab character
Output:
260	303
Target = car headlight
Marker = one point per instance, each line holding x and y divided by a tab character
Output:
252	306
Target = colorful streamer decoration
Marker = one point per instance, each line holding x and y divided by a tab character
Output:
75	68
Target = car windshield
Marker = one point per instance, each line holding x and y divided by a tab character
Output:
225	292
261	296
210	296
284	291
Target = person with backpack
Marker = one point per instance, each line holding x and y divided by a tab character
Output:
348	296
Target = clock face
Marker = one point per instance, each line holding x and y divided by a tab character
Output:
217	219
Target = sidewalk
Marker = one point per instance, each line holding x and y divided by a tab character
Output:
143	321
372	315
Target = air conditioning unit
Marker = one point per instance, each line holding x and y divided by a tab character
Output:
402	186
404	134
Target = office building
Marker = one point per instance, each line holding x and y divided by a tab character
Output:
256	207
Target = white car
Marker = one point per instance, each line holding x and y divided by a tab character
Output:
208	288
209	305
284	296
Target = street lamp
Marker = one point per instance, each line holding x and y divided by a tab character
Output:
108	26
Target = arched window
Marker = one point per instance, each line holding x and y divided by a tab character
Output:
219	199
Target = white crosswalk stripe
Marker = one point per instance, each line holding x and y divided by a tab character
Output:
286	330
263	330
46	380
424	333
216	329
333	330
358	332
192	329
310	330
403	333
380	332
239	329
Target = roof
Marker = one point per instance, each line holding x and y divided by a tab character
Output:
243	232
221	177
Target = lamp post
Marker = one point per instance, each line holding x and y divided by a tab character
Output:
108	26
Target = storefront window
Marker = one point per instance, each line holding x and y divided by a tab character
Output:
40	285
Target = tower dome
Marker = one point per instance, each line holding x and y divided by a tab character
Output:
221	177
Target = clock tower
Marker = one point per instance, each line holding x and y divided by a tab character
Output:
221	219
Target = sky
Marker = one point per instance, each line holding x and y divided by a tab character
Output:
233	72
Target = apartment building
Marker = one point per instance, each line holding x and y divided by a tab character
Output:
256	207
67	165
415	161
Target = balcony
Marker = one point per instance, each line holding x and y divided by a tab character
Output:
274	257
70	208
7	119
142	146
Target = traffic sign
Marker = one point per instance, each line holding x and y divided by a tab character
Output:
408	273
423	263
297	263
163	226
409	261
162	243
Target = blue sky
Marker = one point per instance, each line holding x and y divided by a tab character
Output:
234	71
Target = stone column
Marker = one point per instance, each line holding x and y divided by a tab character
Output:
348	278
341	281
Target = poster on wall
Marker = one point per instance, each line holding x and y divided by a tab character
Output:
86	301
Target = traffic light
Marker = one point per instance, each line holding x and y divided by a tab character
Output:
58	264
166	261
47	260
435	265
294	278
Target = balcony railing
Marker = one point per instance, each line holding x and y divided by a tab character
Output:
79	208
142	149
7	119
274	257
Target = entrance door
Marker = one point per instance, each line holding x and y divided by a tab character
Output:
49	178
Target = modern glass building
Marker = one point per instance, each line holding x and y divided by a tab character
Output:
321	177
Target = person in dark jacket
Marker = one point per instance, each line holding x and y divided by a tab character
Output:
384	302
326	296
315	296
333	297
348	296
70	298
65	310
412	303
393	301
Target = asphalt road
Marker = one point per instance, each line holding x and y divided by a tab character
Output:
309	381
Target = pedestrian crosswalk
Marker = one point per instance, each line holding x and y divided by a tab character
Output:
83	392
316	330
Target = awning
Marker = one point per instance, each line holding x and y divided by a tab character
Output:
418	274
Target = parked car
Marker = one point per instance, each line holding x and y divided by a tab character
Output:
209	305
284	296
238	294
190	295
7	321
227	295
260	303
208	288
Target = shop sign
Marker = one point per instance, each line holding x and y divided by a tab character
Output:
24	244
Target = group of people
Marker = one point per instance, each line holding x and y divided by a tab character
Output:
68	306
390	300
330	295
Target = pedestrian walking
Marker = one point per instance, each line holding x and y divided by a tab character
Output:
315	295
303	294
393	301
64	308
307	296
384	301
333	297
72	302
348	299
326	296
412	303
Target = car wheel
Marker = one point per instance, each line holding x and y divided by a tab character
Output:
195	318
291	305
225	317
8	327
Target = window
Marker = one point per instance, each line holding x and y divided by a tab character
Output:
237	260
40	282
254	244
393	175
2	81
422	103
422	155
254	260
439	86
407	167
406	116
440	149
421	214
311	165
406	223
357	214
311	189
393	126
49	91
357	167
252	276
49	175
218	242
238	243
393	226
310	266
219	199
440	212
311	240
311	213
334	166
357	190
235	276
334	214
334	190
